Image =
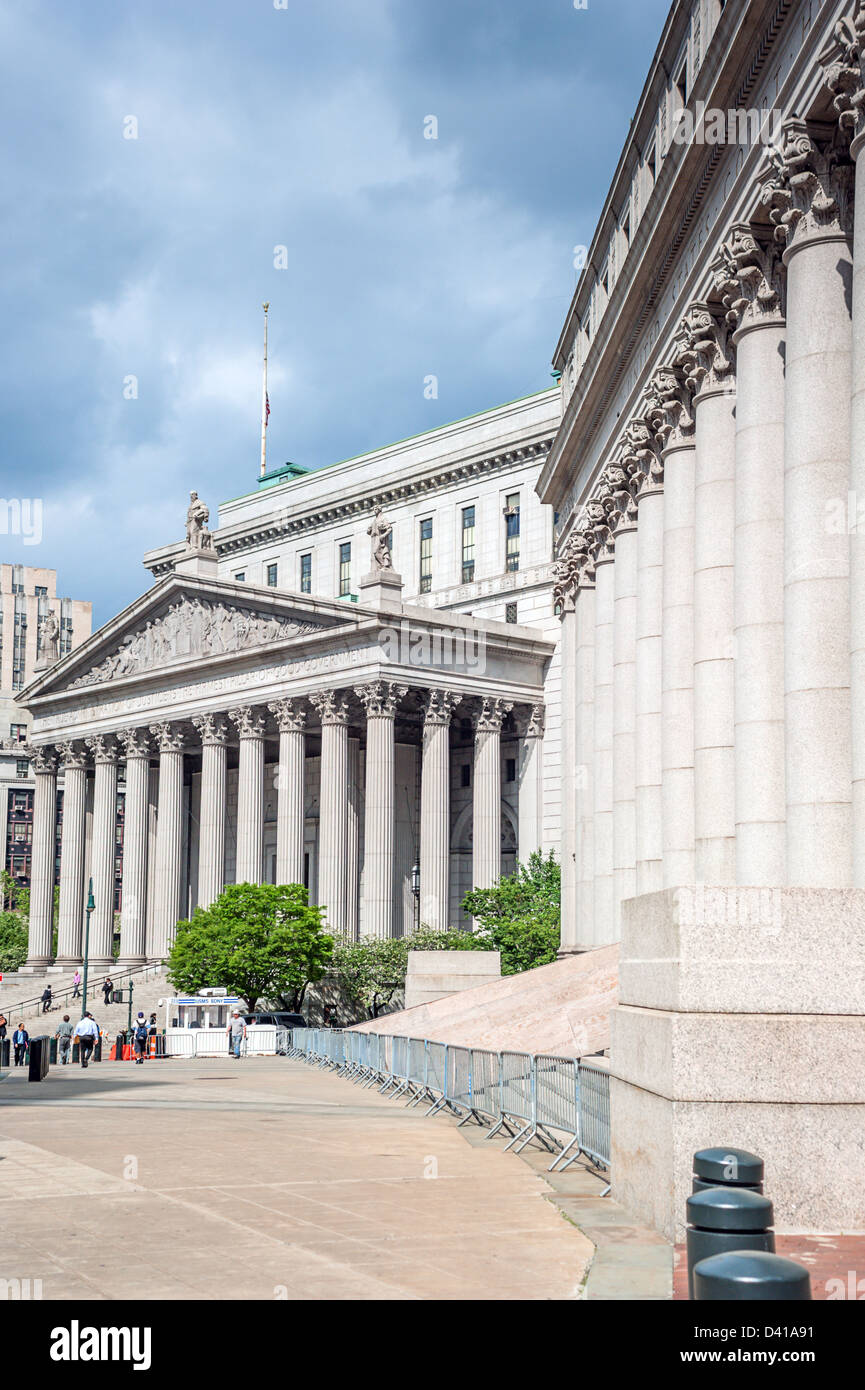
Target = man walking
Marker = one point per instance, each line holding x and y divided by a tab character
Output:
64	1039
236	1031
87	1034
20	1042
46	999
107	990
139	1039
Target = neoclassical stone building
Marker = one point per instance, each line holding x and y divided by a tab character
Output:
709	477
298	700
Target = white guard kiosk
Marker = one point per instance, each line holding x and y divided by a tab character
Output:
196	1026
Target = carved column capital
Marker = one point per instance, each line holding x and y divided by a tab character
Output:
43	758
439	705
290	715
380	698
706	349
104	748
331	706
212	729
809	193
531	720
618	479
671	401
490	716
752	278
641	452
843	63
73	755
249	721
136	743
170	738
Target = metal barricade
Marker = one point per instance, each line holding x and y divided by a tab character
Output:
486	1069
459	1081
436	1074
595	1113
417	1070
398	1071
557	1091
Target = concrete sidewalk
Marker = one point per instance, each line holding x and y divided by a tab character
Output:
264	1179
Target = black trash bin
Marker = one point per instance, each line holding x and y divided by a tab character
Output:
5	1052
52	1052
726	1218
751	1276
38	1059
727	1168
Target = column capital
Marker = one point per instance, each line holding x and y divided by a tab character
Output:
705	348
809	192
170	738
671	398
641	453
104	748
290	715
212	729
439	706
531	720
843	63
73	755
490	716
380	698
43	758
248	720
331	706
751	278
136	743
573	568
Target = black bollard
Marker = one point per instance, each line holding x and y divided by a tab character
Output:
750	1276
119	1044
726	1218
727	1168
38	1059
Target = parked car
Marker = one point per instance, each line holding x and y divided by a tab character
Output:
277	1020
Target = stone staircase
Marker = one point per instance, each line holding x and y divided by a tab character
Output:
149	985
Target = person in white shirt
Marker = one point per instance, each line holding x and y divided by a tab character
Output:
87	1034
236	1031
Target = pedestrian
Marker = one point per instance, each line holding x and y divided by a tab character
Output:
107	989
64	1039
139	1039
3	1027
20	1042
236	1031
76	985
87	1034
46	999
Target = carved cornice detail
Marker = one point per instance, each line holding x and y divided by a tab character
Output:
249	720
290	715
491	715
331	706
212	729
170	738
380	698
439	706
136	743
843	63
104	748
810	191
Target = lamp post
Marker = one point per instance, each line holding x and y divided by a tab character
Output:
91	904
415	888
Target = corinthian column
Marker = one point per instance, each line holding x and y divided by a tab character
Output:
169	837
379	699
811	202
71	915
584	742
435	827
250	724
752	280
531	805
332	709
103	848
487	800
133	917
39	947
624	691
213	731
710	356
676	427
599	512
290	792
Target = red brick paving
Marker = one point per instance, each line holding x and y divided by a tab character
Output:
827	1257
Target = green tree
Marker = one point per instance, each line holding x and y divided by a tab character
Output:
255	941
371	970
521	915
13	941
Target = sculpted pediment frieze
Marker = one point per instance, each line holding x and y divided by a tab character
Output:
193	628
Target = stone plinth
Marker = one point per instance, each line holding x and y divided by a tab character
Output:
382	588
741	1022
197	561
436	974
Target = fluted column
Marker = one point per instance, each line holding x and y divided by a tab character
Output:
487	799
43	761
379	699
332	709
104	848
754	293
250	724
584	930
213	731
648	468
604	914
70	923
352	849
531	805
435	833
290	791
711	362
811	202
133	915
564	595
169	838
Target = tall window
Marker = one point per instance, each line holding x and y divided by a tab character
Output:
426	531
512	532
468	544
306	574
344	569
272	576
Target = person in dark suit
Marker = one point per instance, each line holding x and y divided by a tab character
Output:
20	1042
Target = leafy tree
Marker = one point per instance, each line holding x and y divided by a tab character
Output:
255	940
372	970
13	941
521	915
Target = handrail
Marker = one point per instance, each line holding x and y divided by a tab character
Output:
68	992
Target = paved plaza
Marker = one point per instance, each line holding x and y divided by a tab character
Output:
264	1179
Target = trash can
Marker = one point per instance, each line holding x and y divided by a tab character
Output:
97	1050
727	1168
38	1059
751	1276
726	1218
52	1052
5	1052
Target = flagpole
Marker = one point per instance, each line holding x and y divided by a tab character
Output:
265	307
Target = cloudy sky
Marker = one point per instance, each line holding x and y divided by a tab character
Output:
280	123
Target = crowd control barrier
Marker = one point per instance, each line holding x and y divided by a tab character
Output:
561	1103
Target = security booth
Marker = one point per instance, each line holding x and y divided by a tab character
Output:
196	1026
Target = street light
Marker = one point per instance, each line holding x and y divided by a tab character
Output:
91	904
415	888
